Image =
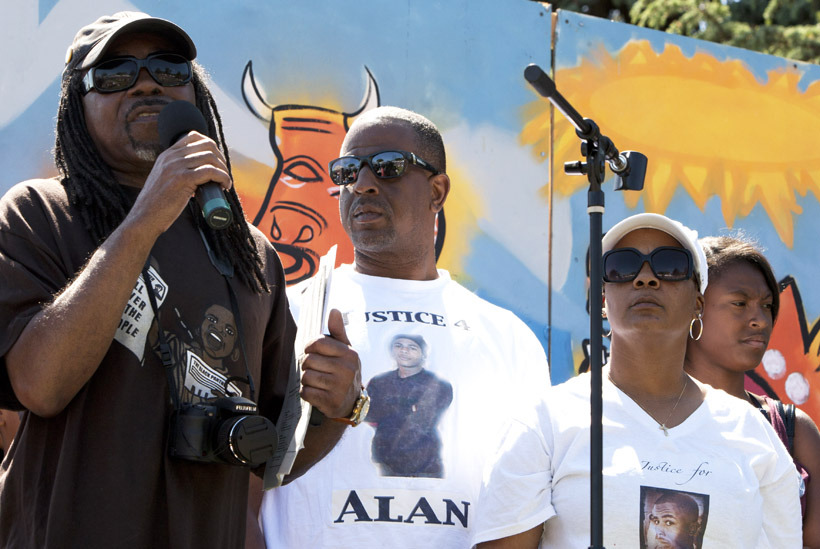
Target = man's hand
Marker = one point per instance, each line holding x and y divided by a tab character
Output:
331	382
331	371
192	161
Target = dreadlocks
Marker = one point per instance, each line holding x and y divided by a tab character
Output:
92	187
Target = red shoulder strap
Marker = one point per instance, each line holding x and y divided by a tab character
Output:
776	419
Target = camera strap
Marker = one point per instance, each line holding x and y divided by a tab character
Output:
226	270
291	407
164	348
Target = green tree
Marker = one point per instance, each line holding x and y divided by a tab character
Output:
786	28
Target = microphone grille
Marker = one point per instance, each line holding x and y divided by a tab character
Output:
178	118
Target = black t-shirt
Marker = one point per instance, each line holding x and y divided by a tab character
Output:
98	474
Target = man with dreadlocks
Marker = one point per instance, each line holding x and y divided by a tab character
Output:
105	267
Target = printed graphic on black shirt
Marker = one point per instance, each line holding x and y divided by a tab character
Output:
406	405
201	357
138	316
672	519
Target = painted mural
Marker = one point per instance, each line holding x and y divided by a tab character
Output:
299	211
726	132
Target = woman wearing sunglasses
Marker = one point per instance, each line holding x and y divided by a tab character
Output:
741	308
684	465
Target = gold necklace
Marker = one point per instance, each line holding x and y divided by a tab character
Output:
661	426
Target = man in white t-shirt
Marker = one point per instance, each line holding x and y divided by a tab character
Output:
413	482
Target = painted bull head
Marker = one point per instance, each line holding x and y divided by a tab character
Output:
300	210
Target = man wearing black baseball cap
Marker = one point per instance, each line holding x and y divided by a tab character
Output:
115	297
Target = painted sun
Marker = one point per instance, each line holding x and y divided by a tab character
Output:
708	126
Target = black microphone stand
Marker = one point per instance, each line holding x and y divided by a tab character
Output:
630	169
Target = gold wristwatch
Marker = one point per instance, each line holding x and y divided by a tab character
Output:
360	409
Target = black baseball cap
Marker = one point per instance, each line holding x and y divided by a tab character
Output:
92	41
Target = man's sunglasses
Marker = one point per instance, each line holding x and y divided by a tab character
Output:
113	75
667	262
384	165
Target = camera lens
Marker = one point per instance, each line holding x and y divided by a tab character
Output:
246	440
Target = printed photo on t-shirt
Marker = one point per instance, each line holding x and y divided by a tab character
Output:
672	519
406	404
206	351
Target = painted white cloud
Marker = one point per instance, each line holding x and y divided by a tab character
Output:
774	363
34	52
508	179
797	387
244	132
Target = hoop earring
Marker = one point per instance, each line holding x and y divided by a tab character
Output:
692	325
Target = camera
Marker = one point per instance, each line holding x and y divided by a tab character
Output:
224	430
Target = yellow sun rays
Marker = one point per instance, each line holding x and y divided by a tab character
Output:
707	126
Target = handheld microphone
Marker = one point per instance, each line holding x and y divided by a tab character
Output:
175	120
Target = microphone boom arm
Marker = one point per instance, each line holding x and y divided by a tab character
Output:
585	128
630	168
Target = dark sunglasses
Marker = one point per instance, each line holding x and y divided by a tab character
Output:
384	164
667	262
113	75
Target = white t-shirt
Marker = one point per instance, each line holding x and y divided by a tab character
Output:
722	476
411	482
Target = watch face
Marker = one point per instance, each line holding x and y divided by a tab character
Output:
365	407
360	409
